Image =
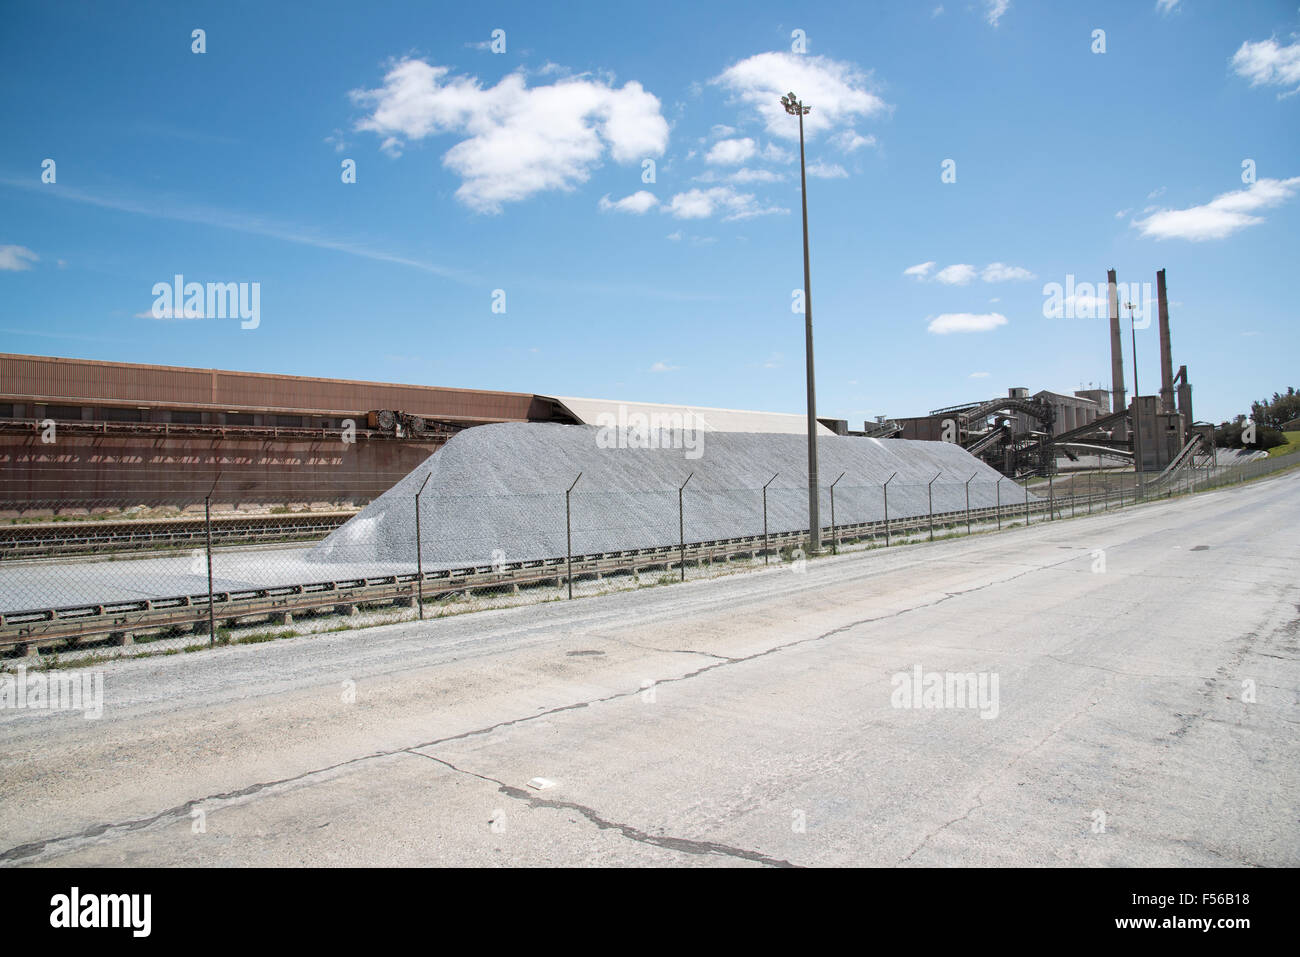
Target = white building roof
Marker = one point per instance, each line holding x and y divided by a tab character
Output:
589	411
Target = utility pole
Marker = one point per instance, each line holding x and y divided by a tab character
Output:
796	108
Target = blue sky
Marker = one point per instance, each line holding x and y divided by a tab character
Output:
522	171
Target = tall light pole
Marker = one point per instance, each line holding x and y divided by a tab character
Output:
795	108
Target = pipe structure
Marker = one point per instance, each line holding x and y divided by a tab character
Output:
1166	350
1118	400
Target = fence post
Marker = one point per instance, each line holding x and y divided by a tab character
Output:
968	481
998	508
1051	499
681	524
766	554
419	550
886	487
207	530
835	542
568	535
1026	501
929	491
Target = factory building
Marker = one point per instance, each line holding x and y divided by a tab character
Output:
1022	432
83	434
79	434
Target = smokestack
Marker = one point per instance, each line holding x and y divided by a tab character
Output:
1116	353
1184	397
1166	352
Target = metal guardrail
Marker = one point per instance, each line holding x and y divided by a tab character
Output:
35	628
88	537
46	626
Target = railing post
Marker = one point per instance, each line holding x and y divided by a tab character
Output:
1051	499
929	491
568	535
968	481
886	487
681	524
766	554
998	508
207	531
835	541
1026	502
419	550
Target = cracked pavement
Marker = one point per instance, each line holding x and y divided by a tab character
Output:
741	721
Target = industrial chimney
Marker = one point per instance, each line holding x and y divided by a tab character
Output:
1118	401
1166	352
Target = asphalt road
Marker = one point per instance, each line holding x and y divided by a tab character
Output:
1146	668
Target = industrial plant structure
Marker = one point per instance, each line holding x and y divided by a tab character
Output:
84	434
1021	433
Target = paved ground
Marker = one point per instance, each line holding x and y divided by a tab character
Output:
742	721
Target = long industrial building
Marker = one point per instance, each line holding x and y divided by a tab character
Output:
80	434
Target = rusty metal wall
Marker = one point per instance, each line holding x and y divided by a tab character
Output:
95	473
72	381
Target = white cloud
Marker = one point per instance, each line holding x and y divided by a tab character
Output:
994	10
746	175
1222	216
1266	63
836	91
638	203
1156	193
965	322
16	258
518	141
960	274
827	170
663	367
337	140
955	275
849	141
730	152
1001	272
979	375
1166	6
721	130
776	154
703	203
675	237
937	11
169	208
1120	214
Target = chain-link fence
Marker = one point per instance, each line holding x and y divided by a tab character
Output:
82	583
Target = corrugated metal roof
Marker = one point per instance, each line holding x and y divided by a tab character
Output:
590	411
86	381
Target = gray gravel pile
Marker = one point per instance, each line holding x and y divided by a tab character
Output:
496	492
1225	458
